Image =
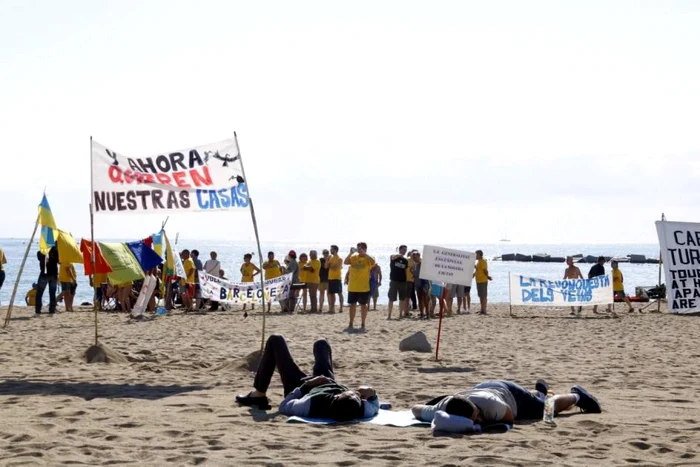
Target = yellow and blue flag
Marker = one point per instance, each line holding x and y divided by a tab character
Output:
48	226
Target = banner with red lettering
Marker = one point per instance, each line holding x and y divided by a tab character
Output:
201	178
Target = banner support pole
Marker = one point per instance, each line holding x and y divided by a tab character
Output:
257	239
95	307
19	274
437	345
658	301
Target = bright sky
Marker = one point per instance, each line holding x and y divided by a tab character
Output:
412	122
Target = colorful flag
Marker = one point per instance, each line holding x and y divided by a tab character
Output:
101	265
157	240
48	226
147	258
125	267
68	251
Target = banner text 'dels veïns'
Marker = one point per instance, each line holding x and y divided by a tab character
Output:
200	178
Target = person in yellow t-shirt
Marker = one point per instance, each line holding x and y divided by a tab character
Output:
304	277
358	282
313	279
481	274
69	283
188	281
30	298
273	270
334	264
619	286
248	273
410	285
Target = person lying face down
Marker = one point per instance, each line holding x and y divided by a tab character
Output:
316	396
493	402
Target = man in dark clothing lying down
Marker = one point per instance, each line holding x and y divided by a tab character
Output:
494	402
316	396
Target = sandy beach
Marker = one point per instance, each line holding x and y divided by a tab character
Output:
174	400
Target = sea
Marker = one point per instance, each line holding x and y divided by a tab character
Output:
231	256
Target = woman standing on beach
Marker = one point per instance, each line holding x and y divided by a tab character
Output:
248	273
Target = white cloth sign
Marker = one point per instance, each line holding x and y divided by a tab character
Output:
569	292
149	285
446	265
224	291
201	178
680	253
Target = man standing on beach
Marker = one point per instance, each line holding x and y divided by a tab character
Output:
597	270
572	272
323	280
398	265
48	275
358	284
481	274
410	288
3	261
313	278
619	286
334	264
197	288
188	282
272	269
212	266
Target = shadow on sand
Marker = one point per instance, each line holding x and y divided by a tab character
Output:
89	391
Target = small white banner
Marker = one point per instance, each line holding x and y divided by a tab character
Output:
201	178
680	252
531	291
223	291
446	265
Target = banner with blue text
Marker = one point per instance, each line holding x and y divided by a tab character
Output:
531	291
224	291
200	178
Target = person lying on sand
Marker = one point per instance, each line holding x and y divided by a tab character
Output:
317	396
493	402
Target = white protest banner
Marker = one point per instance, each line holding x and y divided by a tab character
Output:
149	285
447	265
680	253
569	292
224	291
201	178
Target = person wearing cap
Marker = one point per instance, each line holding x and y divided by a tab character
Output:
494	402
318	395
598	270
358	282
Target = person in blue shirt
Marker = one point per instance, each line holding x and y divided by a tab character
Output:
316	396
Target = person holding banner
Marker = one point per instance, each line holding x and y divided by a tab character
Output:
481	274
572	272
358	283
272	269
597	270
619	286
248	273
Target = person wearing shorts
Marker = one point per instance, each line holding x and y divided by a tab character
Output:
323	284
398	266
618	285
334	265
481	274
436	293
358	282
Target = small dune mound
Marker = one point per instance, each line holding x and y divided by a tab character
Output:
101	353
248	363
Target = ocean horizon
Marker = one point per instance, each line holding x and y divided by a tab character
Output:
231	257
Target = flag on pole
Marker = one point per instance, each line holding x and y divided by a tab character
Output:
48	226
157	240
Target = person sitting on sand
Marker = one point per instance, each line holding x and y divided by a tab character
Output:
572	272
30	298
493	402
317	396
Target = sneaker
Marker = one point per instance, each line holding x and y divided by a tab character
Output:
261	402
542	386
586	402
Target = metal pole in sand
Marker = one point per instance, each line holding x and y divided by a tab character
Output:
510	299
19	274
658	301
257	239
95	308
437	345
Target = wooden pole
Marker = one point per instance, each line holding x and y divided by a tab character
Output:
95	308
437	345
257	240
658	302
510	301
19	274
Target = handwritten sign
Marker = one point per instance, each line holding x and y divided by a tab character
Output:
446	265
224	291
570	292
680	252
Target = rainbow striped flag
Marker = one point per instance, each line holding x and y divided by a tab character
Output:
48	226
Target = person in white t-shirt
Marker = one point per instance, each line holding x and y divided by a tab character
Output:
212	266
